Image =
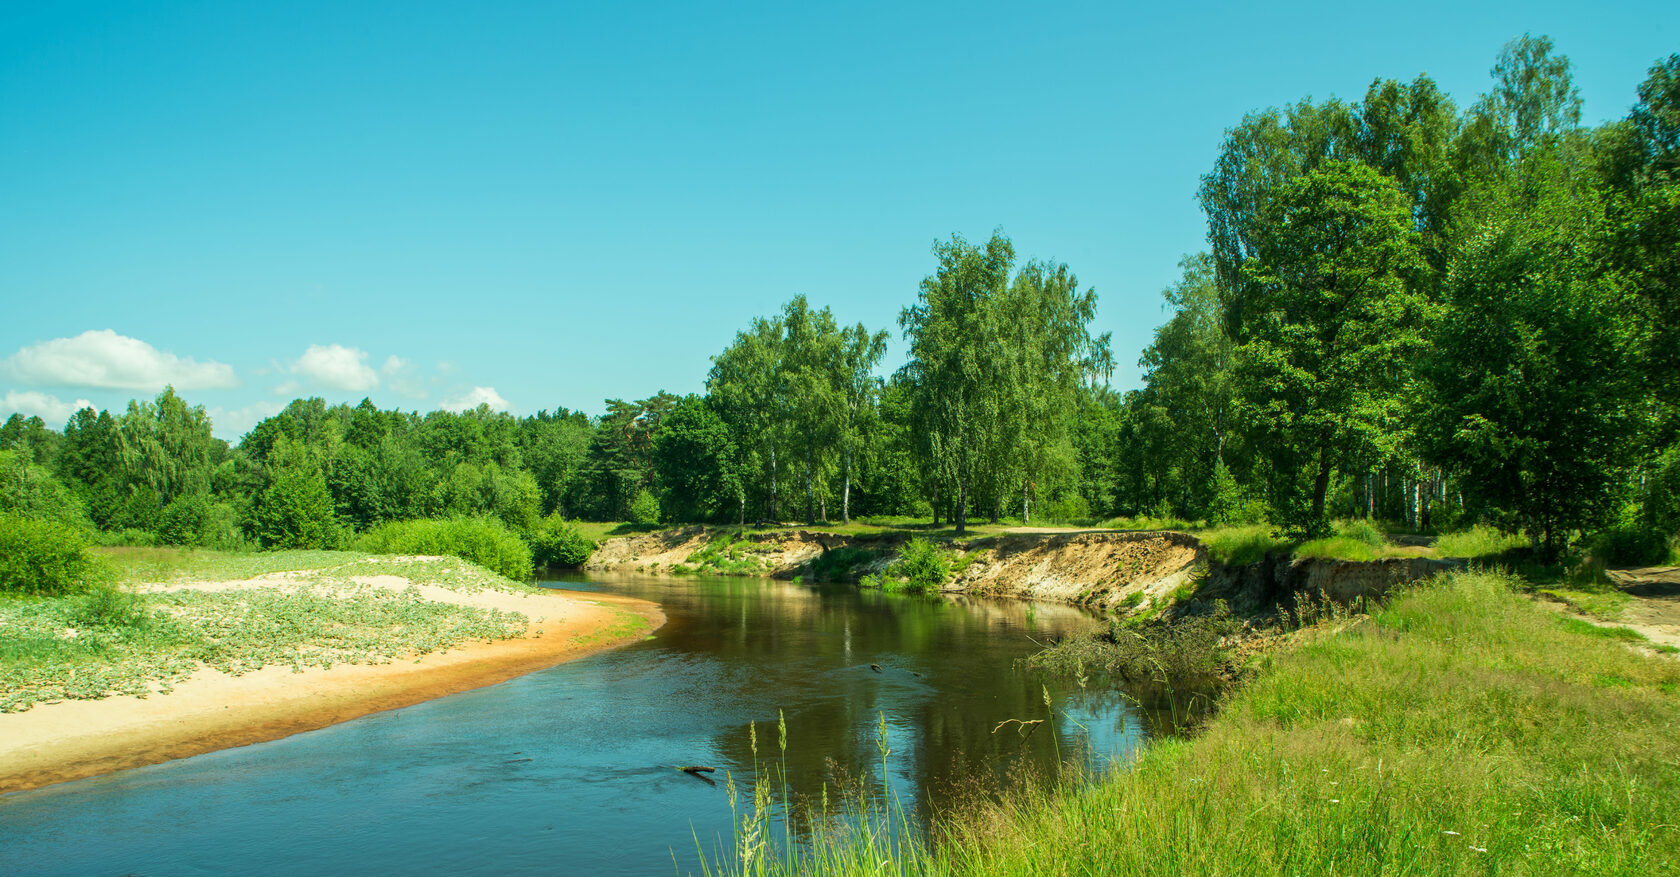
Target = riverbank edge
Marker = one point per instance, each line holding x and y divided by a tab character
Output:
200	715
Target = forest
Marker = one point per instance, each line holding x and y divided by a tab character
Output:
1409	311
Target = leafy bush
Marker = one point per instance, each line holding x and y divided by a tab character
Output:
30	491
557	542
1631	544
921	567
1071	507
44	557
644	509
484	541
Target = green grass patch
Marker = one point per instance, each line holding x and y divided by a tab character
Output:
484	541
1478	542
154	564
1459	730
1604	603
1236	546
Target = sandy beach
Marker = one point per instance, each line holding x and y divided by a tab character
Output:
73	739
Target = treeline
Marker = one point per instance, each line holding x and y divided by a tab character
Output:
1409	311
1426	314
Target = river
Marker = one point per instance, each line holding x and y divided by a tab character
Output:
573	770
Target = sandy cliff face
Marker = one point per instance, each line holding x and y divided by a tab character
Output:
1101	570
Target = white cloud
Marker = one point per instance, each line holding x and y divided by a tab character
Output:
231	425
478	396
289	388
49	408
102	358
339	367
403	378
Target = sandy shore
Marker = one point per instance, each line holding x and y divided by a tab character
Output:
57	742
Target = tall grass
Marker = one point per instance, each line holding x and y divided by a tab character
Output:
1237	546
1478	541
1460	729
484	541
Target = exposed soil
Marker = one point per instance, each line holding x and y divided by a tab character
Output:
1654	607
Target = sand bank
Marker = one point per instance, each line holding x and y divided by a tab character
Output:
211	710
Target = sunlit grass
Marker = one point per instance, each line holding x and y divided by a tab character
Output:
1241	545
167	564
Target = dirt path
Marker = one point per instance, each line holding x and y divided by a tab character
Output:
211	710
1654	609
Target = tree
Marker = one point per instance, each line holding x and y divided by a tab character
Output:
747	384
295	510
954	360
860	352
1533	394
1330	323
694	455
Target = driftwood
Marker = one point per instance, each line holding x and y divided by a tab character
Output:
875	667
696	769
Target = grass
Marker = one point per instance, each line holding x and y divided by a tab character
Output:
1478	542
1605	603
1236	546
147	564
1460	729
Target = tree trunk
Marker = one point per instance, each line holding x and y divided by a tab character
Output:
846	491
1026	502
775	512
810	493
1321	485
962	504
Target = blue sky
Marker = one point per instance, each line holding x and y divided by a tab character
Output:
550	204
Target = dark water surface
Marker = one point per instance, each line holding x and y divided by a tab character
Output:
572	770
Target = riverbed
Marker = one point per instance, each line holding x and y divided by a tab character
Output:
574	769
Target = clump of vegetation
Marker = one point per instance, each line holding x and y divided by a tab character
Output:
841	564
725	555
1153	654
644	509
1237	546
558	542
921	567
1357	540
484	541
45	557
1478	542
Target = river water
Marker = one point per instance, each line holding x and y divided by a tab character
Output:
573	770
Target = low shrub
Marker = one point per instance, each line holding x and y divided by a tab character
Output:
644	509
44	558
558	542
921	567
484	541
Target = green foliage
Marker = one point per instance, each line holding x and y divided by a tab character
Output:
921	567
698	464
44	557
558	543
31	491
295	510
484	541
644	509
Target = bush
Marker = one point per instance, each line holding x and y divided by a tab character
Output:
644	509
557	542
1071	507
920	567
484	541
44	558
1631	544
